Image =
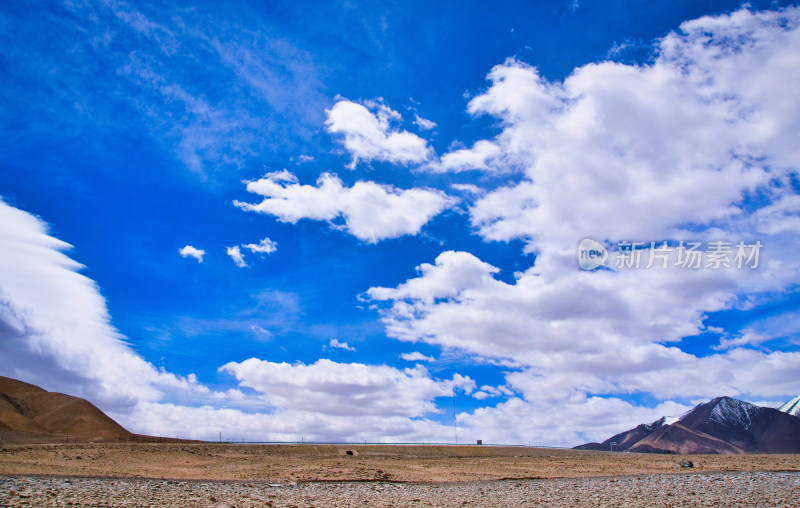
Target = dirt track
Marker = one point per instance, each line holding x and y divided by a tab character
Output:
292	463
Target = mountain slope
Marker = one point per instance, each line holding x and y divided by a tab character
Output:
751	428
29	413
624	440
722	425
678	438
792	407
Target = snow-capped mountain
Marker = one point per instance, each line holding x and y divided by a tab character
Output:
734	413
722	425
624	440
792	407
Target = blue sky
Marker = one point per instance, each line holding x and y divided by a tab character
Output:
398	179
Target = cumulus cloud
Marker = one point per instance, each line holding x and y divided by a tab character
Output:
340	389
206	422
369	135
265	246
487	391
484	155
191	251
678	142
416	356
371	211
700	145
573	421
57	333
236	255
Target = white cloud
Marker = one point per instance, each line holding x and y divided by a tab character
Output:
785	325
487	391
594	332
340	345
57	334
675	143
261	74
206	422
416	356
453	273
424	123
371	211
484	155
56	329
191	251
260	331
698	145
468	188
340	389
369	136
572	422
265	246
235	254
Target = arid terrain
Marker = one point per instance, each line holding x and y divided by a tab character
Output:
403	463
59	450
181	474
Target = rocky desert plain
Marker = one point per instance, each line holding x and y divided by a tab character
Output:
59	450
197	474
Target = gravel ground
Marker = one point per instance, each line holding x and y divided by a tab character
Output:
699	489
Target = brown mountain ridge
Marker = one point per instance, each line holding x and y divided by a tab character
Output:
30	414
723	425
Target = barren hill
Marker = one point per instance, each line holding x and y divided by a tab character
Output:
722	425
30	414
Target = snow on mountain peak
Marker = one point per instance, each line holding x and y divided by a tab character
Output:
669	420
731	412
792	407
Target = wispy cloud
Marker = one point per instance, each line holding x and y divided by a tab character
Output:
424	123
334	343
213	101
416	356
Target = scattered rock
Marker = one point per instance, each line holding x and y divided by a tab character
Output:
656	491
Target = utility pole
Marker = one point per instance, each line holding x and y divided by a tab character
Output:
455	420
